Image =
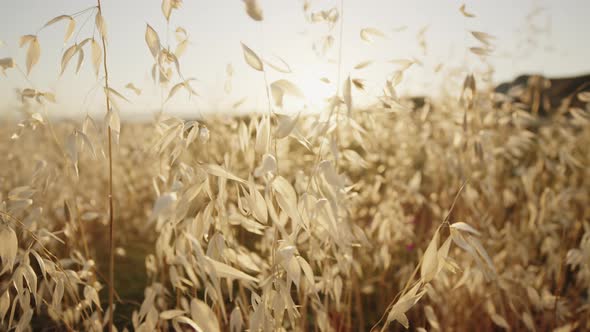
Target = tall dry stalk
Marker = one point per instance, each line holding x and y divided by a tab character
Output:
111	219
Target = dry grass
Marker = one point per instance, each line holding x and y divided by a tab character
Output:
525	192
455	216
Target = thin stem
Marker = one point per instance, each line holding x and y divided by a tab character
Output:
72	15
359	304
88	96
25	76
48	253
340	47
269	139
269	105
339	83
324	132
54	136
111	218
82	11
83	25
559	284
409	282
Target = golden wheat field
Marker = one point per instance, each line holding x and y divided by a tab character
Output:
467	209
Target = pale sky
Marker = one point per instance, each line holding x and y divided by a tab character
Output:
216	28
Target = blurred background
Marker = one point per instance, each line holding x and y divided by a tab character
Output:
546	37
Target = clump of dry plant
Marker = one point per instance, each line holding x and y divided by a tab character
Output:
455	214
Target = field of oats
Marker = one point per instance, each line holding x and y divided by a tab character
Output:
466	212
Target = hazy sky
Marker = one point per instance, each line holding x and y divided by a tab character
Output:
216	28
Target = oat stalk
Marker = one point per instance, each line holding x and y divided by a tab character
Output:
111	218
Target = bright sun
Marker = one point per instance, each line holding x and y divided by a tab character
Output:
315	90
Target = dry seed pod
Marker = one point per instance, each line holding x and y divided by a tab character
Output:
254	10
